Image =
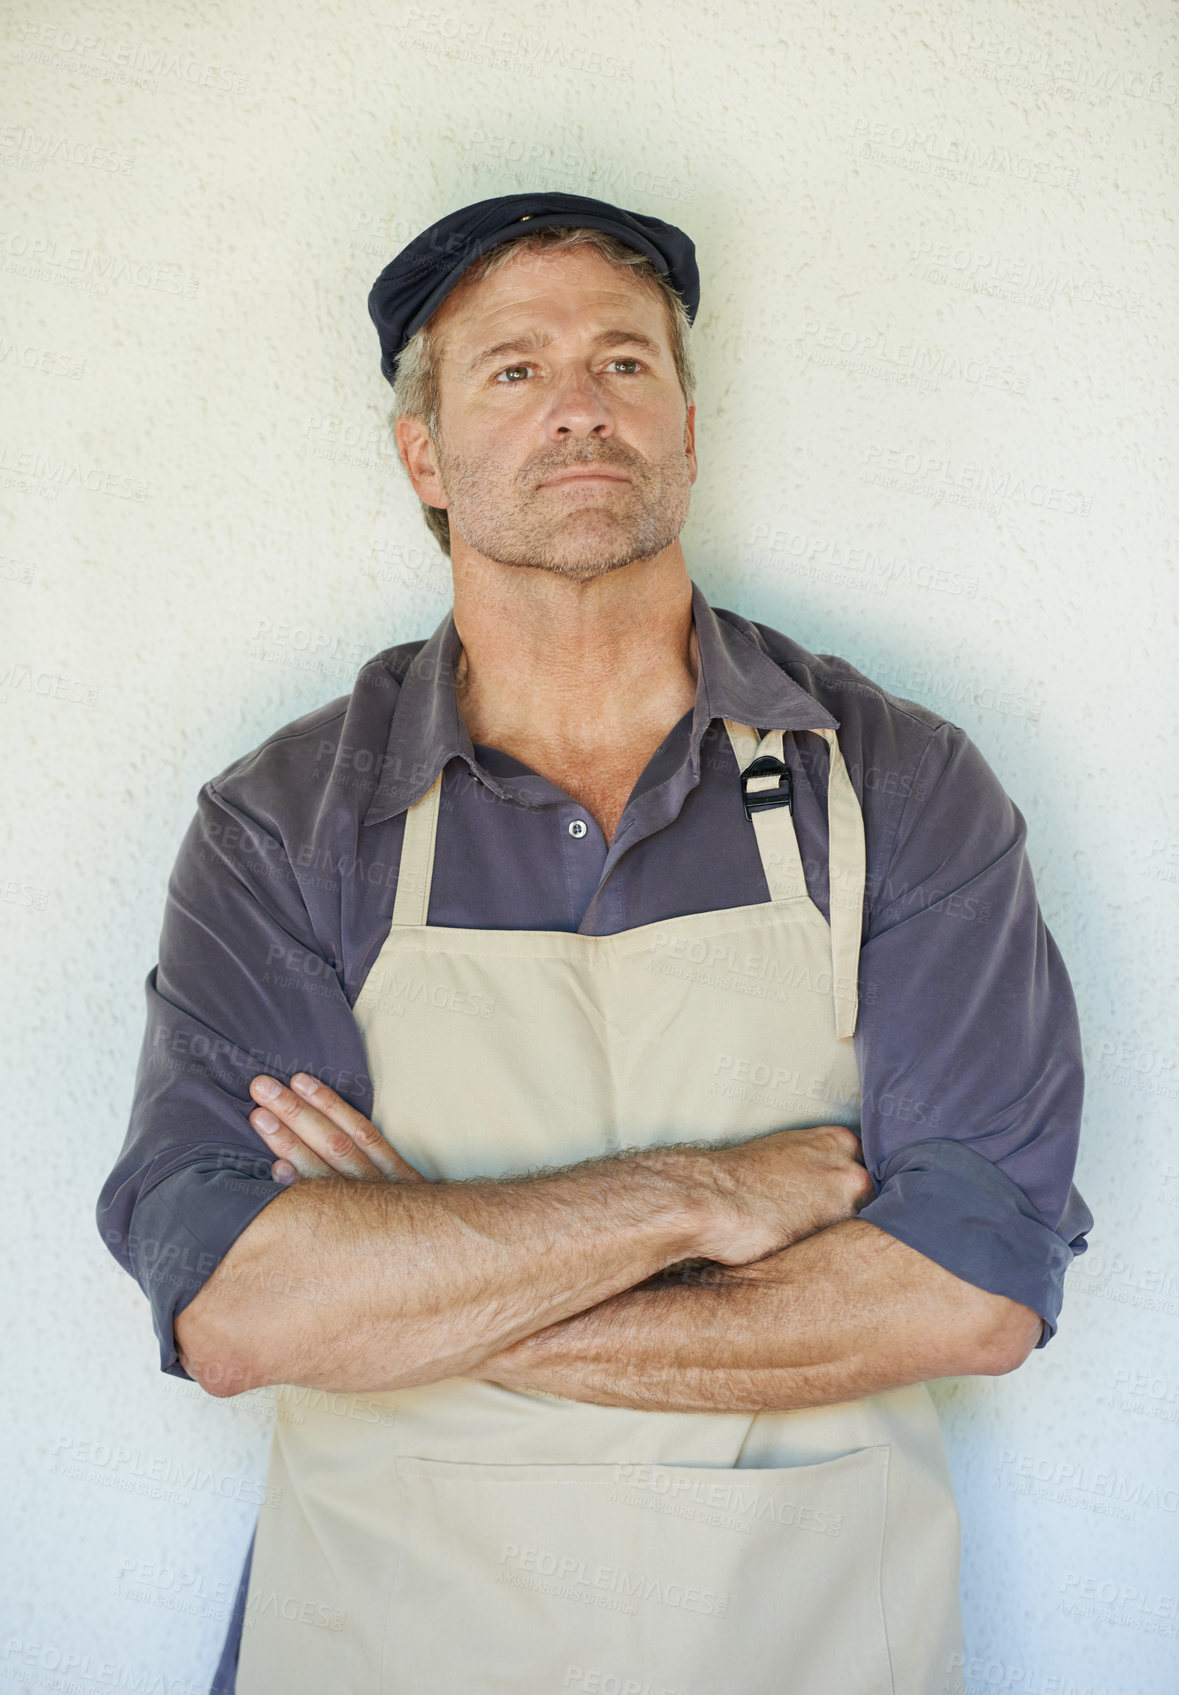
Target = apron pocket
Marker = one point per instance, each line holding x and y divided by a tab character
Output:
639	1579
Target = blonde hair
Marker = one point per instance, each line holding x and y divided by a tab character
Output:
416	387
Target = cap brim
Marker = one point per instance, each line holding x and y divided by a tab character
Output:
525	226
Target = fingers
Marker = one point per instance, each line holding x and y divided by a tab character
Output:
297	1158
310	1140
320	1134
362	1131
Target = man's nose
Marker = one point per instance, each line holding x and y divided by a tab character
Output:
579	407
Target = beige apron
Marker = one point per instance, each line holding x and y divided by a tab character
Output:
460	1538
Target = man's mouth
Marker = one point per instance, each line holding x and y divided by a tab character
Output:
595	476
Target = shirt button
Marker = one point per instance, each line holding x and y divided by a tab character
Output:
578	828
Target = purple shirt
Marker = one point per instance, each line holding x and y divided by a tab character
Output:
282	896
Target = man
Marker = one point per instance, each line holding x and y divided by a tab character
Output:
664	1064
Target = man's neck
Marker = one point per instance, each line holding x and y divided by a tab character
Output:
586	669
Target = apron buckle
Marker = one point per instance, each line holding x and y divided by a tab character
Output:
783	795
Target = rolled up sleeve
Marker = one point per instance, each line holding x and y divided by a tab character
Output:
968	1043
244	984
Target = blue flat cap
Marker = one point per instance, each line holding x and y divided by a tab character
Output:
416	283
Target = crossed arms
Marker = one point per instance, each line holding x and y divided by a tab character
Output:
573	1282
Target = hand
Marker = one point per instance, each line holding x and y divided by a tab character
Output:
319	1135
771	1191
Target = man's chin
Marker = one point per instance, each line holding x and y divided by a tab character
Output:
578	565
580	557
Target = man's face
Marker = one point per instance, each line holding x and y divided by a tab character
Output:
557	363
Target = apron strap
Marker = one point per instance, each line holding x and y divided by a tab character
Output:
412	900
846	862
782	863
774	827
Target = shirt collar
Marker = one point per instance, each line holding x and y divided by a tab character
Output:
736	679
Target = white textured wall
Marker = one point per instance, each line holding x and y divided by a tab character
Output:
937	356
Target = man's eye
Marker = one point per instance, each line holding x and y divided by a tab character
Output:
509	369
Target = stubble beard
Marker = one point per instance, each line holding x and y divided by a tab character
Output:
539	528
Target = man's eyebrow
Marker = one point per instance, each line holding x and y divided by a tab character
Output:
533	343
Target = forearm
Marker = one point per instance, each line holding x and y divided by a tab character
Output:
362	1287
850	1311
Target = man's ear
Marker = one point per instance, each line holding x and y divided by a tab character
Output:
419	456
